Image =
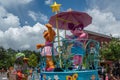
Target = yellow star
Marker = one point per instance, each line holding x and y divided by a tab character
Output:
55	7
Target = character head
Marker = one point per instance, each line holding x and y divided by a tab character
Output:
11	68
76	30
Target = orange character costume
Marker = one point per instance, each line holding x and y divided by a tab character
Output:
49	36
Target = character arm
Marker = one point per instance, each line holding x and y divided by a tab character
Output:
40	46
83	36
49	27
51	32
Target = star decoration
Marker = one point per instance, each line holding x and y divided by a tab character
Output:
55	7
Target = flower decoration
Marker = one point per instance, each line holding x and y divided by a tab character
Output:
49	78
56	77
75	76
68	77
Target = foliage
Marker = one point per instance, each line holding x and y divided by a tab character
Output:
32	60
8	58
111	50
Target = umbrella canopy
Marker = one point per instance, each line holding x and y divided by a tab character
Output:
18	55
74	17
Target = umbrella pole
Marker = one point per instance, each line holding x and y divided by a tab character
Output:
58	43
55	8
65	33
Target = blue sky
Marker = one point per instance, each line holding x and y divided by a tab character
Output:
43	7
22	21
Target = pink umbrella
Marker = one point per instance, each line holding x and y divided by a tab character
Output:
74	17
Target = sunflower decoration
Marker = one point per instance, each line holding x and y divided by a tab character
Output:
68	77
75	76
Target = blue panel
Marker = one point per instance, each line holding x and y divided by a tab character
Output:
82	75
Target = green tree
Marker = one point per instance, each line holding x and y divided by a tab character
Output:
10	57
111	50
33	60
3	57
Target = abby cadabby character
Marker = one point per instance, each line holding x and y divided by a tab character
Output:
78	45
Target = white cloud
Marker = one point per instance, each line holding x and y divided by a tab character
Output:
7	20
16	37
106	6
106	16
47	2
38	16
8	3
26	22
32	15
104	22
25	37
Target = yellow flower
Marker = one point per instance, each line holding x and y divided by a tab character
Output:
75	76
68	78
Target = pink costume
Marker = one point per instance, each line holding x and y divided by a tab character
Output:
47	50
80	36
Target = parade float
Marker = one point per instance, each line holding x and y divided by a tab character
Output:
72	57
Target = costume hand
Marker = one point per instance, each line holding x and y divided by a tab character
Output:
40	45
48	25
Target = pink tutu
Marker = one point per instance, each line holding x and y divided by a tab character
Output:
47	51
